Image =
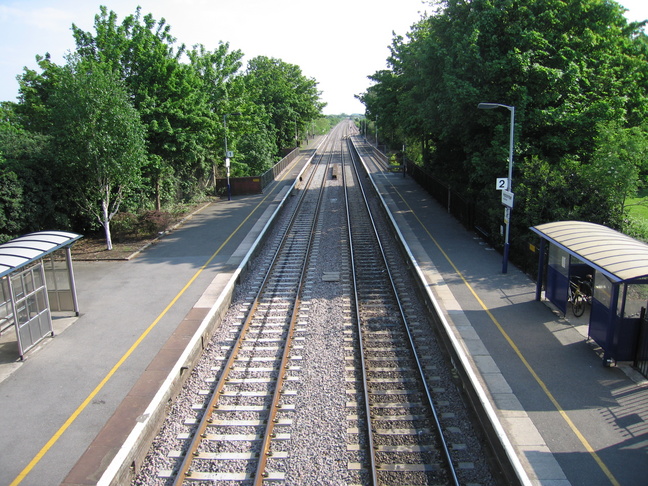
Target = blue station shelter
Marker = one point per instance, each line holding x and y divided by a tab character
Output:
619	267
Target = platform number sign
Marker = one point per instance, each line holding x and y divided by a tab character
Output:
502	183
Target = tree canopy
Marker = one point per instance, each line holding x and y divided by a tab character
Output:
98	139
577	74
137	121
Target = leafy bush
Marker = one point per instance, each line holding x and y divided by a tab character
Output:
123	226
151	222
637	228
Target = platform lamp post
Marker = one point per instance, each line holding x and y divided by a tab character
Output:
507	195
377	132
228	154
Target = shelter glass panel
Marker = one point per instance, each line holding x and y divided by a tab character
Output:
636	298
28	281
33	320
600	312
559	259
6	312
558	277
603	289
59	282
17	286
56	271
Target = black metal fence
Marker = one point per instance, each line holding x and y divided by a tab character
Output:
641	356
457	205
474	216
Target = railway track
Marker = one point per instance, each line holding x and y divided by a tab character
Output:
254	382
405	441
321	373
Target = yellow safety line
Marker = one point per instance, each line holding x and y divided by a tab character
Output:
517	351
130	351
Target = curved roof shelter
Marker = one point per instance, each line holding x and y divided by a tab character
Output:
29	248
619	267
618	256
32	285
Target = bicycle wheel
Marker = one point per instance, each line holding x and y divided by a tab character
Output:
578	305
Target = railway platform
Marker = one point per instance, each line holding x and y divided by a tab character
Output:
71	404
569	419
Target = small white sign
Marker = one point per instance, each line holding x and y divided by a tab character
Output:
229	154
507	215
501	184
227	162
507	198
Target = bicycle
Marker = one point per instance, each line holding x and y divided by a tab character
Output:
576	298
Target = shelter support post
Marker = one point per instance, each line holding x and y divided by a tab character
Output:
541	266
41	270
14	311
68	257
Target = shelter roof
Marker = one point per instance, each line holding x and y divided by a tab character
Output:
618	256
26	249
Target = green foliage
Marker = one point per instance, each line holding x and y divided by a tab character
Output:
260	152
99	139
10	203
136	121
124	225
636	227
576	73
29	156
324	125
290	99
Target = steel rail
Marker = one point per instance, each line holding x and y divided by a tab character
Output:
421	373
184	471
354	288
265	448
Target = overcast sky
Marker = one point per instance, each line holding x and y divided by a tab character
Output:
337	42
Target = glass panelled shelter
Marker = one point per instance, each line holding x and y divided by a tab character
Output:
36	277
618	268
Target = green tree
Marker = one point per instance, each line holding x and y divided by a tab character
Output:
99	139
615	172
10	204
171	97
573	70
34	90
28	156
291	100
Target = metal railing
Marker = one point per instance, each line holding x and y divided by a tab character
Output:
271	174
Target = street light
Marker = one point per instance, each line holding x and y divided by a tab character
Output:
227	154
509	183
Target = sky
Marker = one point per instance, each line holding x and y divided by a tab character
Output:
339	43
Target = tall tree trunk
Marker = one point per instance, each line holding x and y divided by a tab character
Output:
105	221
158	202
109	245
